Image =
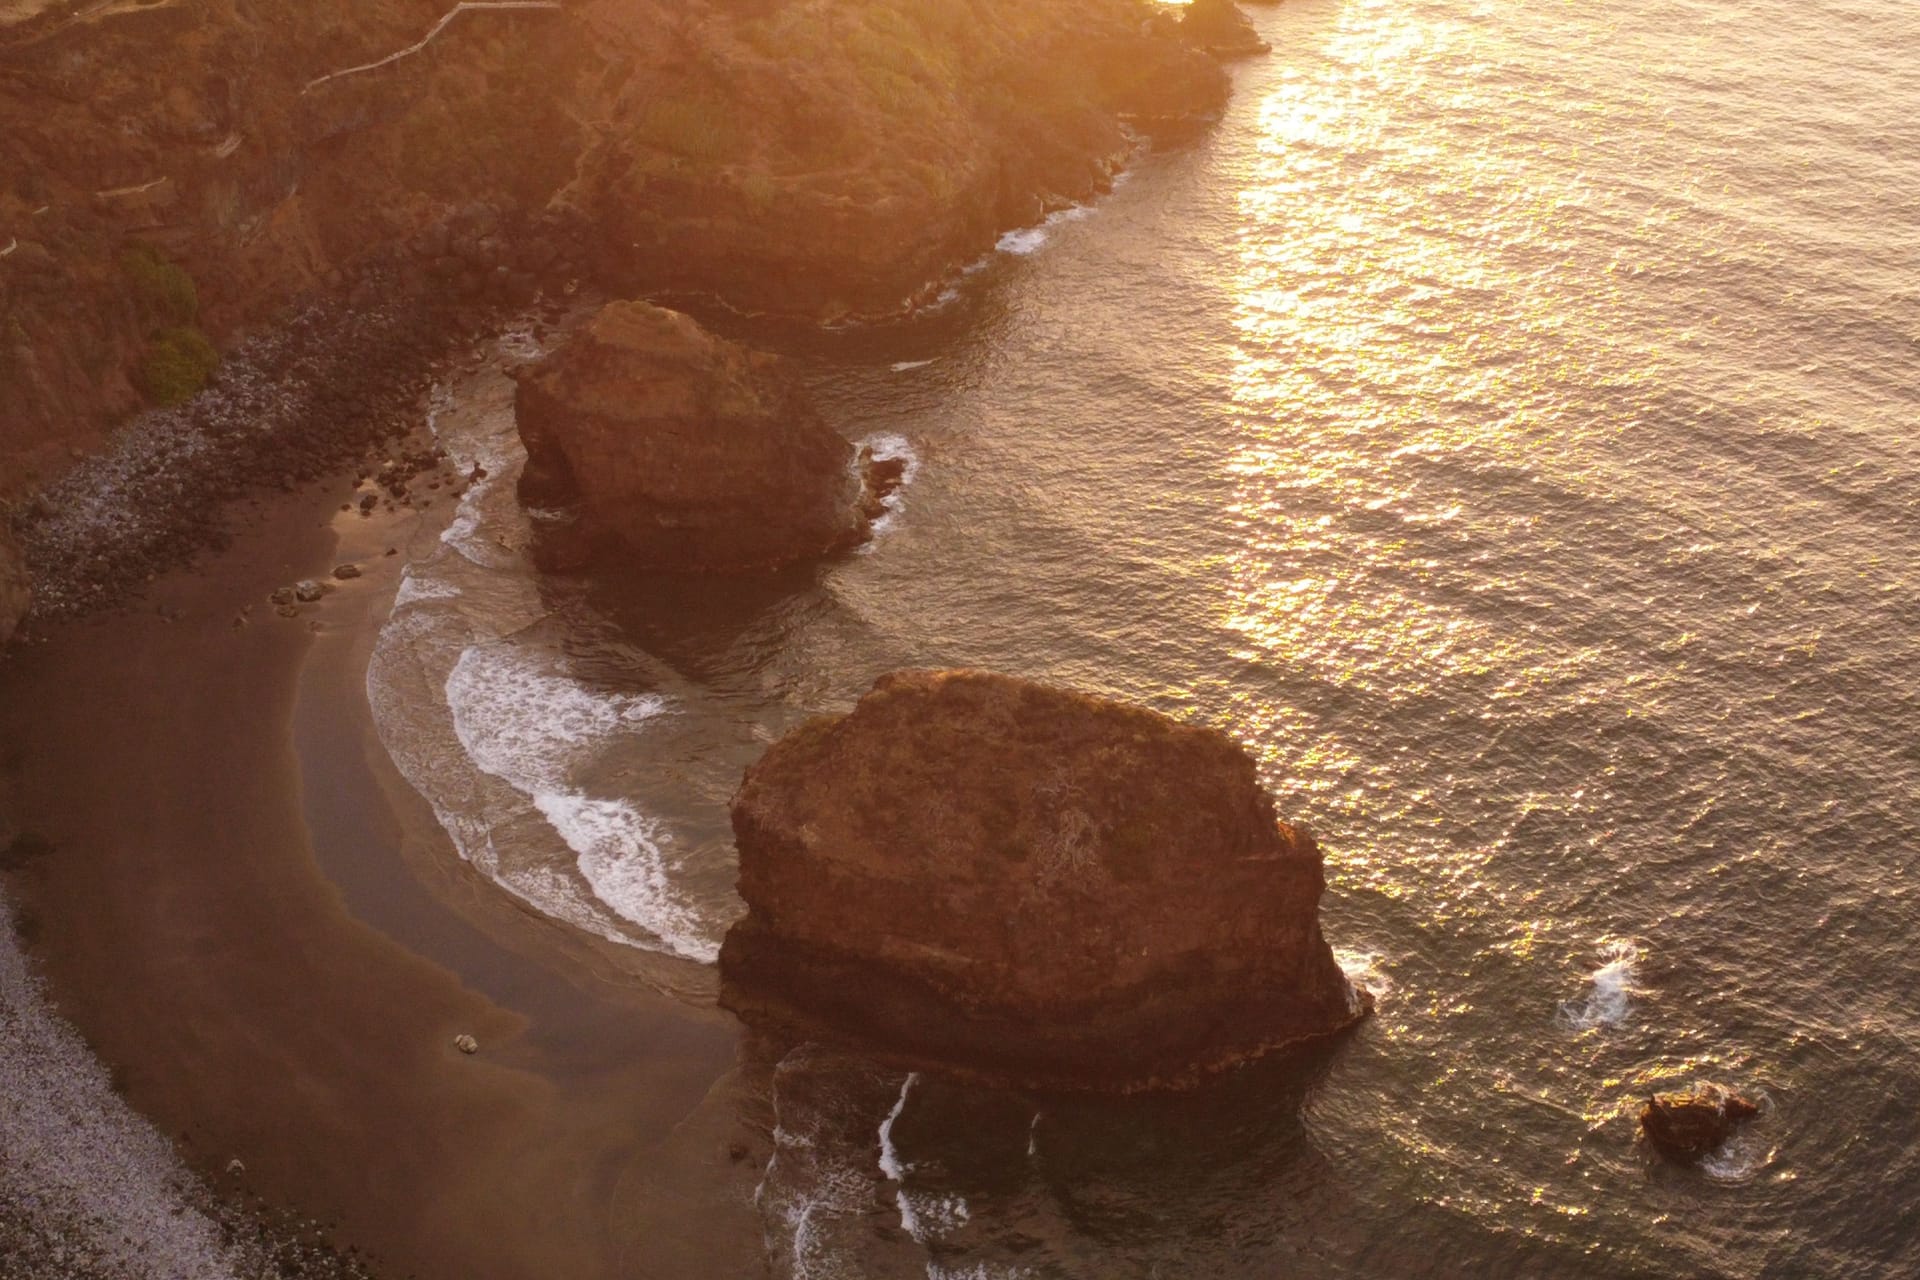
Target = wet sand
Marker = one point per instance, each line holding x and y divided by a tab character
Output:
263	934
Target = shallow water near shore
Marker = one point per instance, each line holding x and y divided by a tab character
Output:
1500	424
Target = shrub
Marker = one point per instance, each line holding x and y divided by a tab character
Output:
162	290
693	128
177	363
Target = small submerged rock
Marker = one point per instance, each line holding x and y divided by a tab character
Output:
308	590
346	571
466	1043
1028	884
1687	1126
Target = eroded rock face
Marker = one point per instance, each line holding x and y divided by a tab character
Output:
1219	27
687	452
14	593
1687	1126
1029	884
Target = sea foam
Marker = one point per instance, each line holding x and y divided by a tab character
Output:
533	729
491	727
888	446
1611	999
1022	241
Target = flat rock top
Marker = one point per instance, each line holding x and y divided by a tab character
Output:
973	777
634	360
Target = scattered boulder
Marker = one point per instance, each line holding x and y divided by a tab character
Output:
466	1043
16	594
1028	884
307	590
1218	27
688	452
1687	1126
346	571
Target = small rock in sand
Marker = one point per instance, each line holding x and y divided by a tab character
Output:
307	590
345	571
466	1043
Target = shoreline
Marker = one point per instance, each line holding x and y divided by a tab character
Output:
187	921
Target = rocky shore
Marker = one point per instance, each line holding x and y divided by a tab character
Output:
325	391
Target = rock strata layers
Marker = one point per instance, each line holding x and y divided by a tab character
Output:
1028	884
684	451
14	594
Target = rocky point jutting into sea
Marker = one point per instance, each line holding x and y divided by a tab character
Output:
182	170
353	160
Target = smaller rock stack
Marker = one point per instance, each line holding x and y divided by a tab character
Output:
685	452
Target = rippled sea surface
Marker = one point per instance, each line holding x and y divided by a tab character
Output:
1504	424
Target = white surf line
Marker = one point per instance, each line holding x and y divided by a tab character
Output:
890	1165
11	246
230	145
429	38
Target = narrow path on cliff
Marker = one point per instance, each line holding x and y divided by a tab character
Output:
102	9
429	38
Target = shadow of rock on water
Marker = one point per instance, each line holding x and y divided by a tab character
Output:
834	1163
709	628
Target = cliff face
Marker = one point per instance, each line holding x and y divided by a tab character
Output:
687	452
14	593
168	172
1028	883
177	168
829	159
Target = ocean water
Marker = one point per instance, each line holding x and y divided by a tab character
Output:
1503	424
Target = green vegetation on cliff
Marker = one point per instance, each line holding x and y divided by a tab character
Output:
162	290
178	358
177	363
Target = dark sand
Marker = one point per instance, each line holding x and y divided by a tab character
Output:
264	934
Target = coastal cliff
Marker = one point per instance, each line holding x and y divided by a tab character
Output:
180	170
15	593
1029	884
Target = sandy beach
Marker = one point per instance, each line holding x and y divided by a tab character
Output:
231	908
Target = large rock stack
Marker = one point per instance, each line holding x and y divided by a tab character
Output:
1029	884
